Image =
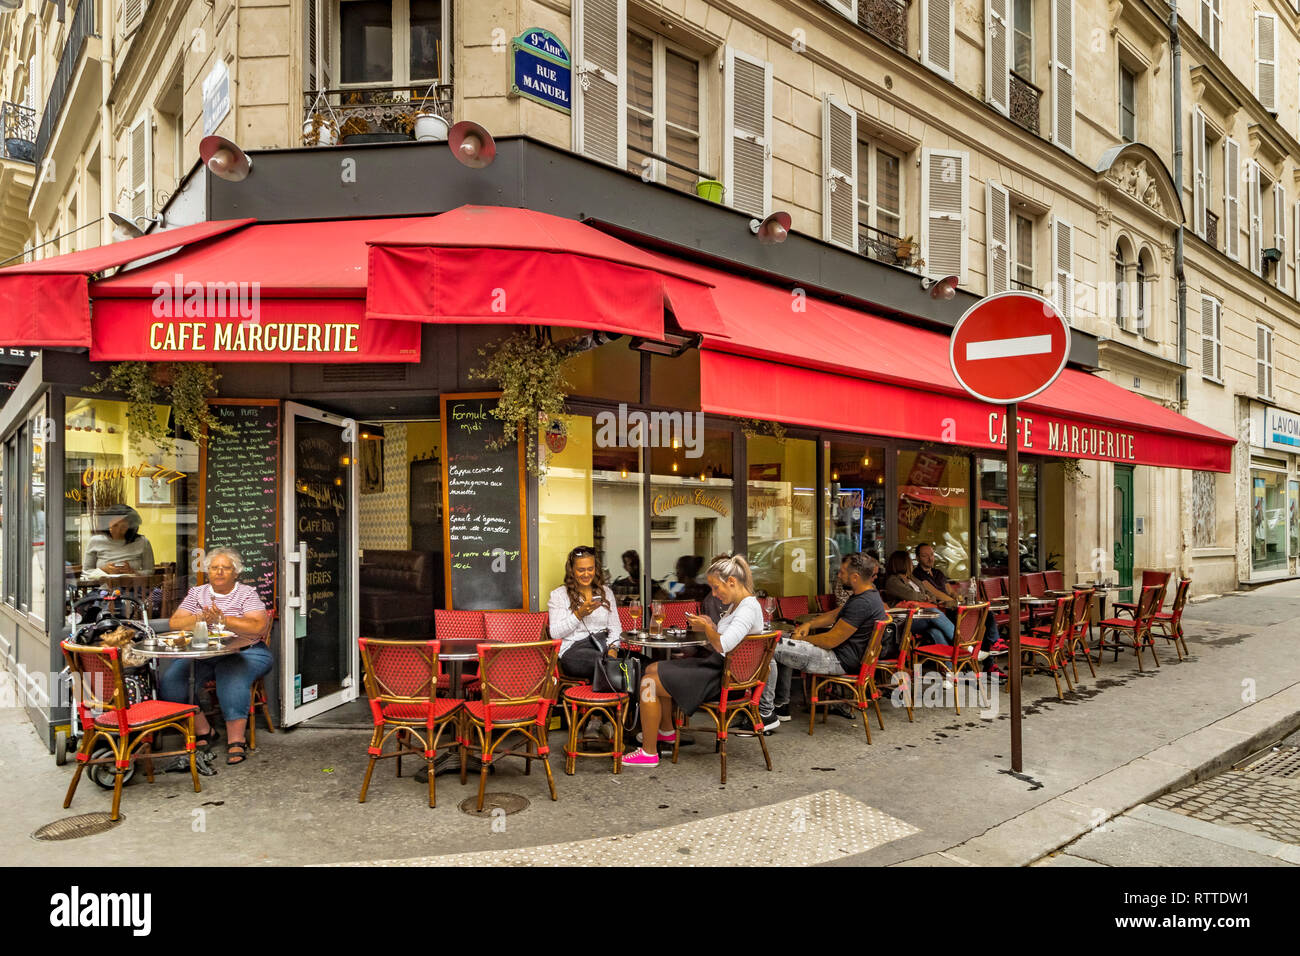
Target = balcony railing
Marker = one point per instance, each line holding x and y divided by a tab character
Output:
1212	229
81	30
377	109
1025	287
887	247
19	126
1025	98
886	20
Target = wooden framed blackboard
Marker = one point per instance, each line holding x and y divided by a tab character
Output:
484	507
239	501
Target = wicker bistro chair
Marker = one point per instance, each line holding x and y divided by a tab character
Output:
1138	627
1050	648
825	602
402	684
1055	580
789	608
580	704
861	685
897	668
1170	622
459	624
518	694
1076	637
128	730
675	612
743	676
1150	579
515	627
964	654
995	589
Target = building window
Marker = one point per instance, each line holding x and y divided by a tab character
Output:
1264	361
934	507
1204	514
1268	520
1142	294
1023	28
392	41
880	191
993	534
1127	105
1022	254
663	112
1211	327
1212	23
1121	288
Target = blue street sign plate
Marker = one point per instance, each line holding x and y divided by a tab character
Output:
541	69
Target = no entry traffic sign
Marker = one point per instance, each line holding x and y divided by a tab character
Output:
1009	347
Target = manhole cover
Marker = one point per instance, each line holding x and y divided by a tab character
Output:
509	802
83	825
1283	762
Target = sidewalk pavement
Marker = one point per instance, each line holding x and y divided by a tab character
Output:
935	792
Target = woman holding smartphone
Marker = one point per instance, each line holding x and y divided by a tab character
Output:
583	605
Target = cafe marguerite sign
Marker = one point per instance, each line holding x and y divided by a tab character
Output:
1090	442
253	337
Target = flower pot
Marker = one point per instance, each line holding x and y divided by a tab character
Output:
430	128
710	189
324	135
356	138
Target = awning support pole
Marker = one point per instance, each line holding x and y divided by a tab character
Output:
1013	577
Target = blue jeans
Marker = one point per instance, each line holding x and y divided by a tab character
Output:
233	673
938	631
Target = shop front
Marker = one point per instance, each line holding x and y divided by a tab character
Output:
1273	500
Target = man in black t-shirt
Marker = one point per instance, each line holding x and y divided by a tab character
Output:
837	651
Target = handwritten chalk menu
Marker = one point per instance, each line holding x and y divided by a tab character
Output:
321	522
483	504
240	500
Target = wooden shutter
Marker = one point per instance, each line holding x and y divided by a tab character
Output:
945	197
848	8
133	15
1279	232
997	54
839	174
1254	218
1211	22
747	133
1231	199
318	46
1063	268
997	217
1264	360
140	166
599	88
1210	318
1296	252
1199	183
938	36
1266	60
1063	74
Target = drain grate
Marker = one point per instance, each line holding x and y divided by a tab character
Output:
1282	762
509	802
83	825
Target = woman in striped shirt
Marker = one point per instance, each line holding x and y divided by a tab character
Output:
224	602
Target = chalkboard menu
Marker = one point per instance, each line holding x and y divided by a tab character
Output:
485	522
320	517
241	497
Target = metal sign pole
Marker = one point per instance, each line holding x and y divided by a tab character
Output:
1013	576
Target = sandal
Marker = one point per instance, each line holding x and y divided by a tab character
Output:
233	756
204	741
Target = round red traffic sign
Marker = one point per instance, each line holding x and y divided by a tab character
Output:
1009	347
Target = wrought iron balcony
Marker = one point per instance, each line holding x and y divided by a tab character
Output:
885	20
1212	229
81	30
19	125
887	247
1025	99
376	109
1025	287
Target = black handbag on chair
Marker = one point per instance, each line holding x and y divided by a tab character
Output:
614	675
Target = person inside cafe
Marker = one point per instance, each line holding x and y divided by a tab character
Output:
836	651
628	585
689	682
223	603
902	586
582	606
118	547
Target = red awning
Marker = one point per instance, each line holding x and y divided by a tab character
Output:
499	264
45	303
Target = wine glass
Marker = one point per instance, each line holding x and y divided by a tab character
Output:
769	609
634	612
656	617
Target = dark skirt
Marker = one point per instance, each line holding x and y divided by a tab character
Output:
580	660
692	681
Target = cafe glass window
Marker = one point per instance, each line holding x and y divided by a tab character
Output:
993	535
593	494
39	430
934	508
393	41
781	494
1268	509
853	503
611	371
14	499
112	471
691	506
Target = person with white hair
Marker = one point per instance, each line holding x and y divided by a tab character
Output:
223	602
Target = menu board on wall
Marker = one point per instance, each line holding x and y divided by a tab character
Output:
240	497
484	509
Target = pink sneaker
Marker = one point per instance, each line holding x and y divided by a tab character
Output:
639	758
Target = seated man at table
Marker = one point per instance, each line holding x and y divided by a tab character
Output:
837	651
931	578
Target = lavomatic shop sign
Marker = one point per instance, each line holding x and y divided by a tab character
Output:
1281	430
540	69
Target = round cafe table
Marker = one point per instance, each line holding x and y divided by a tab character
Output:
157	650
922	613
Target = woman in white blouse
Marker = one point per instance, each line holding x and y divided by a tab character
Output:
693	680
583	605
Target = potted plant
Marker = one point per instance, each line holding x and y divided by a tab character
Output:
430	126
320	129
184	386
710	189
905	248
529	370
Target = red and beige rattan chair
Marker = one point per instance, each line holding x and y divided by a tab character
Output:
675	612
743	675
580	704
1150	579
402	684
1080	626
964	654
995	589
1049	648
127	729
1055	580
898	668
1170	623
1137	628
861	685
789	608
515	627
825	602
518	694
466	625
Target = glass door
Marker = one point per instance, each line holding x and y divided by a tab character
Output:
319	564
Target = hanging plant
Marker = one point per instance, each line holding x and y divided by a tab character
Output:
529	370
756	427
1072	469
185	386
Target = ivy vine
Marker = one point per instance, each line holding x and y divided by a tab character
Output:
529	370
185	386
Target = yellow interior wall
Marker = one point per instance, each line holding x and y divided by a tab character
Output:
564	510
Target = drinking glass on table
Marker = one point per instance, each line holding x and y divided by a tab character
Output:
769	610
634	612
656	617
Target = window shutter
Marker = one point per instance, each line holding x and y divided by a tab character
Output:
997	217
1264	360
1209	337
839	174
945	197
997	53
1199	172
318	45
1063	74
1296	251
1279	232
1266	60
133	15
1211	22
848	8
938	36
1254	218
1063	268
1232	199
599	90
140	167
747	133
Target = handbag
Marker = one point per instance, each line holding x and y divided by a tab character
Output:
615	675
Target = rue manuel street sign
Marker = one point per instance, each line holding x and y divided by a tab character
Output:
541	70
